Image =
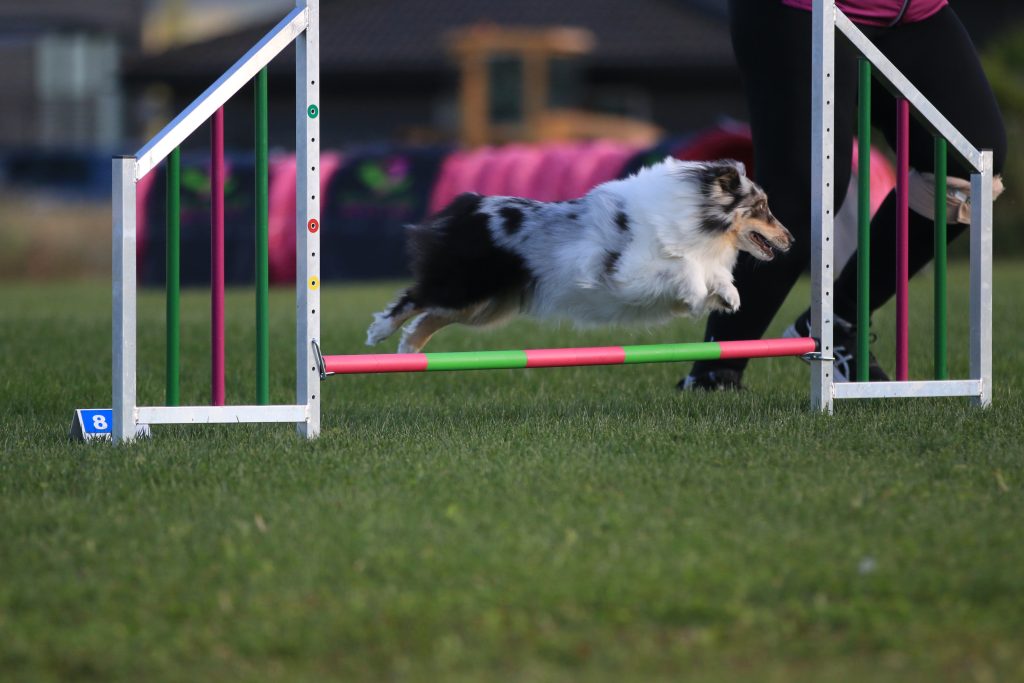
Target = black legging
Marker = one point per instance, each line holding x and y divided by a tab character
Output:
773	49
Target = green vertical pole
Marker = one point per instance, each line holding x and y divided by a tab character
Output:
941	369
262	245
173	276
864	221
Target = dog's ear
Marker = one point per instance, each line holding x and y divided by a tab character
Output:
728	173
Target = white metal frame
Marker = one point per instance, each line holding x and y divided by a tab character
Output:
307	203
826	18
301	25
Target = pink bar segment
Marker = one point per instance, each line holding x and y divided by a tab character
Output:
764	348
217	258
560	358
902	240
376	363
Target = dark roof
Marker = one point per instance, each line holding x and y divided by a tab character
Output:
123	17
373	36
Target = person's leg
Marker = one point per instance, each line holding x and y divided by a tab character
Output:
938	56
772	44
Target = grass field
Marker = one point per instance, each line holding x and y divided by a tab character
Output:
544	525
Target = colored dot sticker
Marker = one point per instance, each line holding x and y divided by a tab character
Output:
313	225
313	111
314	282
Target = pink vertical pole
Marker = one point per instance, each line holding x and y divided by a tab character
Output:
217	259
902	239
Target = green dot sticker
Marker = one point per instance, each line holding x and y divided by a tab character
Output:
313	111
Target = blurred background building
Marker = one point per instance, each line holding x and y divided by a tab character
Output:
86	76
60	71
81	81
391	71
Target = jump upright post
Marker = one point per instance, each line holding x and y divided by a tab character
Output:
826	20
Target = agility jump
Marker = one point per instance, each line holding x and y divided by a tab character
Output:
826	20
301	26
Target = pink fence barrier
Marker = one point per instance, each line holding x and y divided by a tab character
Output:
281	216
548	172
883	176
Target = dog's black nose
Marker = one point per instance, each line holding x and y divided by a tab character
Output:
789	239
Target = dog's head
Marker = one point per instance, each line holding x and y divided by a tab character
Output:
735	208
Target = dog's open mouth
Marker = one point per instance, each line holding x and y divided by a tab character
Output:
762	243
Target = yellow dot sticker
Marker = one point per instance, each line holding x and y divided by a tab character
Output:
314	282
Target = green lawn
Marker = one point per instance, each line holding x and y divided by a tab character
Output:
543	525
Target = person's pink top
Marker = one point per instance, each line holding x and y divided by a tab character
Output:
879	12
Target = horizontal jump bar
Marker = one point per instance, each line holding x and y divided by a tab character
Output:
913	389
220	414
561	358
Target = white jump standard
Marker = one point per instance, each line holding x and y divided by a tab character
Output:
301	26
826	19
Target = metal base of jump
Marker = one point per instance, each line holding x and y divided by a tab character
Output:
561	358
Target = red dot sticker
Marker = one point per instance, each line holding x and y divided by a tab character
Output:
313	225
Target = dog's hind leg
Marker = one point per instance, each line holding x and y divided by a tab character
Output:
386	322
417	333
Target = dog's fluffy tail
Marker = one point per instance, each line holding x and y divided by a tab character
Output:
386	322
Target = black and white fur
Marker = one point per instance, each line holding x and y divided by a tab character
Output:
658	244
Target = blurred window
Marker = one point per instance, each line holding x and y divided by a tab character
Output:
506	94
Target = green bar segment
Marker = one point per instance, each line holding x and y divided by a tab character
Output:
173	277
476	360
262	245
864	221
667	353
941	369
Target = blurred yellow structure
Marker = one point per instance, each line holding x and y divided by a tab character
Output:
534	50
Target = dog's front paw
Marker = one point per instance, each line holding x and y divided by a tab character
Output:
726	299
379	330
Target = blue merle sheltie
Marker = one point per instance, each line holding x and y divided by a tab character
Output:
658	244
